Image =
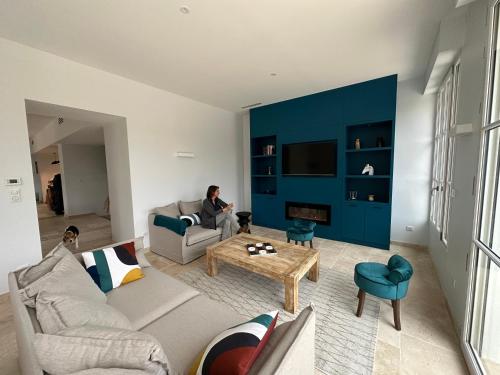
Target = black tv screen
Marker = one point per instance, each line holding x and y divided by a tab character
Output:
310	159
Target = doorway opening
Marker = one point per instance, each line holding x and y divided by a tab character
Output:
81	175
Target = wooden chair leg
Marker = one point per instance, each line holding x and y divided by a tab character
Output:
288	240
396	308
296	242
361	303
302	243
311	244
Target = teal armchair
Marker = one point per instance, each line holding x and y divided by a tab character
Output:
302	230
389	281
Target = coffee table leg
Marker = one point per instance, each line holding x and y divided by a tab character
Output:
291	295
313	274
212	264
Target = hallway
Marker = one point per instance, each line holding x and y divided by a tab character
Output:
95	231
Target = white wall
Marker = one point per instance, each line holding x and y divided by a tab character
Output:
84	179
451	261
119	183
158	124
412	163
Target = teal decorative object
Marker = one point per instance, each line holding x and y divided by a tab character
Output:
389	281
302	230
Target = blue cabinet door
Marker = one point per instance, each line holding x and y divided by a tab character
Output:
378	225
353	221
265	211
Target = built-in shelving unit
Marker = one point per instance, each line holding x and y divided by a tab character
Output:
376	149
264	165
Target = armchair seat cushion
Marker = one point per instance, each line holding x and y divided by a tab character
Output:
197	233
300	234
373	279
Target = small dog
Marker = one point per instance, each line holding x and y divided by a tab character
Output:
71	235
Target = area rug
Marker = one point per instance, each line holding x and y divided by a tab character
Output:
345	344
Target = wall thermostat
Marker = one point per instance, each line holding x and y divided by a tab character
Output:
13	181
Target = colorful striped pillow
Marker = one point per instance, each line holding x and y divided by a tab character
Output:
113	266
235	350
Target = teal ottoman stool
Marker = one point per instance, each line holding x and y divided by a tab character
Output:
388	282
302	230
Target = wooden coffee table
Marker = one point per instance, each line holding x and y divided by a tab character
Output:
288	266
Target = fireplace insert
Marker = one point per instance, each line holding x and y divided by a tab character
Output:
319	213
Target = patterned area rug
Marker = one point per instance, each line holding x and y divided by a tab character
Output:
345	344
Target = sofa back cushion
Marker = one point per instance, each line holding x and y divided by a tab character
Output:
56	312
67	277
190	207
169	210
86	347
32	273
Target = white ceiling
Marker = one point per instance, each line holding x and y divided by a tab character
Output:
223	51
92	135
37	122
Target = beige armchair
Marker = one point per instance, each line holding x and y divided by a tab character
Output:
181	248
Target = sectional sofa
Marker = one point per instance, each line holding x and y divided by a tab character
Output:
183	321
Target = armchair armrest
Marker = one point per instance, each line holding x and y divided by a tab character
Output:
171	223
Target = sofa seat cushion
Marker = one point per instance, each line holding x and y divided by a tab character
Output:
87	347
186	331
197	234
147	299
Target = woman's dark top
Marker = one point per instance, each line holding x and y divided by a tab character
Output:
209	211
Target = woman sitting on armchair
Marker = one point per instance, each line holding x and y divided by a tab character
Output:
217	213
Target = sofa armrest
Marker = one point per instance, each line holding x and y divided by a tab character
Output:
171	223
25	331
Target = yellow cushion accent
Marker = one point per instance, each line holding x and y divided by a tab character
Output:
196	363
133	275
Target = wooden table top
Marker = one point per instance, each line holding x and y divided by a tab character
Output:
291	261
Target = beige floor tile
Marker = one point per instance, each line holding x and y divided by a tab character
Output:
386	330
387	359
420	357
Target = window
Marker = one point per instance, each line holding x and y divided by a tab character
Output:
482	328
444	147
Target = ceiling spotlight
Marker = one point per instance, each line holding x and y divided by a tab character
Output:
273	74
184	10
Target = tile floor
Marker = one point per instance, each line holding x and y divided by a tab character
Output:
427	343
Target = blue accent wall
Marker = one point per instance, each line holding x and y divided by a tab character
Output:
325	116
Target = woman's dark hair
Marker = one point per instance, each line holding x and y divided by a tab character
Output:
211	191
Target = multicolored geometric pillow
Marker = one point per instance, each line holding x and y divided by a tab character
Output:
234	351
113	266
191	219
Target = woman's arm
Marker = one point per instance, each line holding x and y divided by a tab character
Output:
209	209
221	203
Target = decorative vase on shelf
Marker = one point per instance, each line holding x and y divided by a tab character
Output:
357	144
368	169
380	142
353	195
269	171
371	197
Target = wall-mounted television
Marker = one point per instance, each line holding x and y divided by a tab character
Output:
310	159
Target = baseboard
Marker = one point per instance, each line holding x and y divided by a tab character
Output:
407	244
